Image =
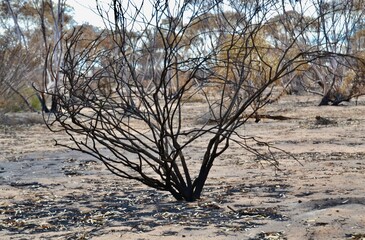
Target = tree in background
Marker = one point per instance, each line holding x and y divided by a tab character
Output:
335	27
17	63
29	28
16	67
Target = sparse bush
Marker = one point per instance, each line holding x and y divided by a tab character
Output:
155	65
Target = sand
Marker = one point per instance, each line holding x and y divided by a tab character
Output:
48	192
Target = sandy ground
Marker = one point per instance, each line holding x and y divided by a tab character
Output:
50	193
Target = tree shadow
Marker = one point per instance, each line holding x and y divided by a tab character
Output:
138	210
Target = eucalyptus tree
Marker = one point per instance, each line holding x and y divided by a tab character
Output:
16	62
53	19
29	28
336	24
163	64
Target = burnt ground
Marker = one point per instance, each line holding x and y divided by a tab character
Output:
318	192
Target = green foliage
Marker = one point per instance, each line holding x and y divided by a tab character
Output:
16	103
35	103
31	98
